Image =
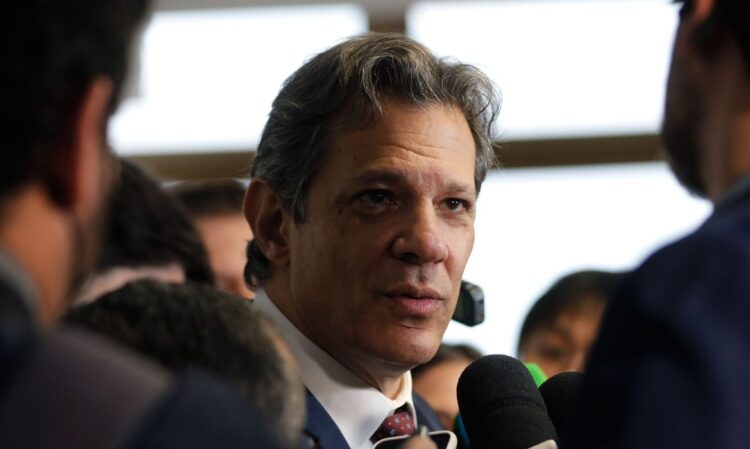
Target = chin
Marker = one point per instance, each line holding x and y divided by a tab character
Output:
414	353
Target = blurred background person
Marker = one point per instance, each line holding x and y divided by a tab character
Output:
148	235
563	323
436	380
64	66
671	364
216	209
196	326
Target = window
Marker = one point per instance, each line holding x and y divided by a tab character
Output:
208	77
536	225
566	68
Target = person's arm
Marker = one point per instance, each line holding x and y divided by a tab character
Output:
420	441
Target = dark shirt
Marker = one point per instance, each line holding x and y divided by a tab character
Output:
672	363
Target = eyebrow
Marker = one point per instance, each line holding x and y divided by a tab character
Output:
397	177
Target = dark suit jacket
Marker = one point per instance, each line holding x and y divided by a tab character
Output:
672	366
321	428
64	389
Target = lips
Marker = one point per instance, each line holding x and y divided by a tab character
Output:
414	301
413	292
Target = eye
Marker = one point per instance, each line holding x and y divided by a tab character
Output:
376	198
457	204
553	352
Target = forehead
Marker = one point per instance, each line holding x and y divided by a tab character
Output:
423	141
578	323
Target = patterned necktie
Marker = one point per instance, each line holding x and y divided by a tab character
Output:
398	424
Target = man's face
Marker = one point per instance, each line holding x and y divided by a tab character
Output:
377	263
683	118
226	237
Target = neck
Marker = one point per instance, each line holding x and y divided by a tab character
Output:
726	142
736	162
37	235
381	375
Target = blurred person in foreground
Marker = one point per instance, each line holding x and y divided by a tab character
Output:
148	235
216	209
362	207
436	381
671	366
563	323
63	69
196	326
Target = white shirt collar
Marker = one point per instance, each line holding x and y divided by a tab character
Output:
357	408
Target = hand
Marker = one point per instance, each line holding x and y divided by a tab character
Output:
419	442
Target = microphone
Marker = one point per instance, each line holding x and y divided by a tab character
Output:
501	407
536	373
460	430
560	394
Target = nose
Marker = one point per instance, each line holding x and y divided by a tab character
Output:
421	241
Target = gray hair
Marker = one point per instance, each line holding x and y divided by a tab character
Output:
342	88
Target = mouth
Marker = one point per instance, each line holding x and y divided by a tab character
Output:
414	301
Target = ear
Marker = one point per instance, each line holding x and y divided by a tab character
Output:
701	10
269	221
79	172
696	25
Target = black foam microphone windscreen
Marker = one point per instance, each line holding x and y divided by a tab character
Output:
560	393
500	405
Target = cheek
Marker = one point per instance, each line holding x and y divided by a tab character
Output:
461	247
327	266
462	240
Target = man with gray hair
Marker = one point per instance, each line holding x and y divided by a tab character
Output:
362	206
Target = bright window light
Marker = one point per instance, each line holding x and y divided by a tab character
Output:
565	68
536	225
208	77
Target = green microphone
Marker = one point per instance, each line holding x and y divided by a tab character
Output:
536	373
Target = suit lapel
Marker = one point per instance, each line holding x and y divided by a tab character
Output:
425	415
321	427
